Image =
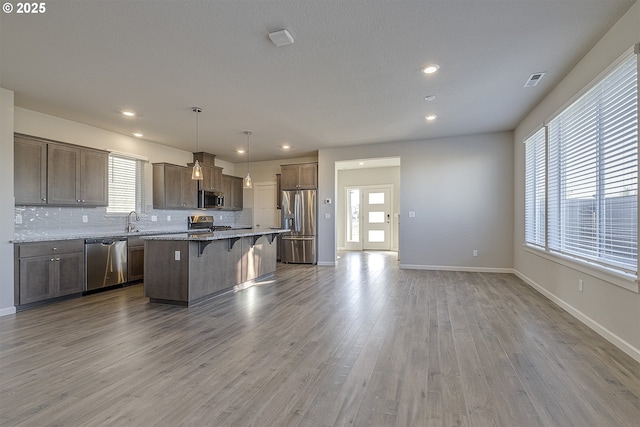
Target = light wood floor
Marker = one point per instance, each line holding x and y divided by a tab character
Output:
360	344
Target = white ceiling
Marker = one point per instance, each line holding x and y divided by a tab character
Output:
351	77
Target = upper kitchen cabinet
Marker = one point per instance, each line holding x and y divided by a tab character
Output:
303	176
30	171
232	190
53	173
211	178
173	187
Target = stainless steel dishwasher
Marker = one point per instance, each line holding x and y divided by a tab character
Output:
105	262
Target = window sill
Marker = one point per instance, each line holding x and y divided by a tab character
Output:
616	277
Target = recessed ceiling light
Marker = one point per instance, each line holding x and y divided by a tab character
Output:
430	69
240	151
281	38
361	163
430	98
138	135
431	117
128	113
286	147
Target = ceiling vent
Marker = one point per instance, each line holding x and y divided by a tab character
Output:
281	38
534	79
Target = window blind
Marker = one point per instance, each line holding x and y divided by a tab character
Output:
126	184
593	172
535	188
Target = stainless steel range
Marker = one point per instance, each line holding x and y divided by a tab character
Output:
204	223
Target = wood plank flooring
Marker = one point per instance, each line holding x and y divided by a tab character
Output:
364	343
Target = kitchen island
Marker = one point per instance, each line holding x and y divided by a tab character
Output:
188	268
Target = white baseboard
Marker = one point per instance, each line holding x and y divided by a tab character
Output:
456	268
7	311
597	327
326	264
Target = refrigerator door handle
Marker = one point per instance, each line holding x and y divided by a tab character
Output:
297	212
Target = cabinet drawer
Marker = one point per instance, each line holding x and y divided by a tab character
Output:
49	248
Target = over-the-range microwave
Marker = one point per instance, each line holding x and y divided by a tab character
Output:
210	199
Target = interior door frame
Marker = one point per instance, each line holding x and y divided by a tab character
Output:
359	246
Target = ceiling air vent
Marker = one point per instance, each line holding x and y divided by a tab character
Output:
534	79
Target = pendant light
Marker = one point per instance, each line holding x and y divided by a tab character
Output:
196	173
247	181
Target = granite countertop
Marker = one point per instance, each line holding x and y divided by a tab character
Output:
216	235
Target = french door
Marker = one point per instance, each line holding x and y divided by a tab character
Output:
368	218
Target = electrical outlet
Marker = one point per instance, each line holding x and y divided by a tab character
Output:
154	218
475	252
18	219
168	217
85	218
580	285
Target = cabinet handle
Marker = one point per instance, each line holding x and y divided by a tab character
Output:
54	249
78	201
44	199
52	259
57	259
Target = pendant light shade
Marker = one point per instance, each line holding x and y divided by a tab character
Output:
247	181
196	173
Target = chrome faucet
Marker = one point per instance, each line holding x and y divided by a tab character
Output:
130	227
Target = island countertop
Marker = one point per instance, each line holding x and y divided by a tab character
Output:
200	236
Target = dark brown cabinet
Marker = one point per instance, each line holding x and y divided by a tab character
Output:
173	187
211	179
232	190
303	176
48	270
135	258
52	173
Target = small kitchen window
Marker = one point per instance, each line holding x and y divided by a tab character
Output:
126	183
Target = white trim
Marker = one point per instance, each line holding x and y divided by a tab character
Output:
457	268
129	155
595	326
618	278
326	264
7	311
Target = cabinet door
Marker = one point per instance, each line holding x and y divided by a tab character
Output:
37	278
173	186
135	263
227	192
236	191
308	176
63	183
94	186
289	177
70	273
211	178
189	190
30	171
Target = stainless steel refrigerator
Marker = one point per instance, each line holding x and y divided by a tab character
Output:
299	215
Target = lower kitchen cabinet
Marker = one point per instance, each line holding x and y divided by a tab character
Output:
135	258
48	270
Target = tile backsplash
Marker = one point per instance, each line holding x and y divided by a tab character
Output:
43	221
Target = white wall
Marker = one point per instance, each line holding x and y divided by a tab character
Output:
461	190
363	177
6	202
610	310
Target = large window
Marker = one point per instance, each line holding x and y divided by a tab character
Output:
126	184
591	175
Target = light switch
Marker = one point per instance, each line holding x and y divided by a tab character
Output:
177	255
412	214
154	218
327	215
85	218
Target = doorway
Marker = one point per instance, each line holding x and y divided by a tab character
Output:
368	217
265	213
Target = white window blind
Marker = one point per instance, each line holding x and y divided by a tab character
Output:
126	184
535	188
593	172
